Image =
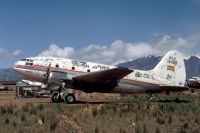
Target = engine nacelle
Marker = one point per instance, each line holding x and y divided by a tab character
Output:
57	78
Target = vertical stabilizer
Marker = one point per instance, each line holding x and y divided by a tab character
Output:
172	68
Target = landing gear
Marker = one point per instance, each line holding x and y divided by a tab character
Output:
67	95
70	98
56	97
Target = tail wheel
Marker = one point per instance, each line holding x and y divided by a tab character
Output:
55	98
70	98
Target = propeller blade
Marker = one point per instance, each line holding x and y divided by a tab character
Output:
47	73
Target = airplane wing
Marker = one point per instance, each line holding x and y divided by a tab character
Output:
104	76
100	81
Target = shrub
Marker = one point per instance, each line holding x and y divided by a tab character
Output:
157	130
25	108
3	110
145	128
94	112
170	119
53	125
7	120
23	118
10	109
32	110
14	124
96	130
160	120
102	111
40	107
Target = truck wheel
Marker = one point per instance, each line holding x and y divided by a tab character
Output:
70	98
55	98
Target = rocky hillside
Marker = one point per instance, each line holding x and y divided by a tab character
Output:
147	63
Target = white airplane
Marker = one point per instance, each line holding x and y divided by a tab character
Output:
168	76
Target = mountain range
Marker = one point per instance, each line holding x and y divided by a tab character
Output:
192	65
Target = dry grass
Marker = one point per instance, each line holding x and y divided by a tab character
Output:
130	114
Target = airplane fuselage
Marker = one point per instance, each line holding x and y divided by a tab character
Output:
138	81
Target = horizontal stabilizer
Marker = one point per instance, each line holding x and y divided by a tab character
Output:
173	88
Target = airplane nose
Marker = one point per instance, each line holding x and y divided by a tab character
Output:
15	66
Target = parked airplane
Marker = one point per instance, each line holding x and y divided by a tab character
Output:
194	83
168	76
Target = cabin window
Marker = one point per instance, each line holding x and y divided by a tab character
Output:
57	65
73	68
138	74
88	70
31	64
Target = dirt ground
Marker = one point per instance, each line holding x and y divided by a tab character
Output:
8	97
166	114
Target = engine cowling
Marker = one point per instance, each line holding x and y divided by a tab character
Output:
58	78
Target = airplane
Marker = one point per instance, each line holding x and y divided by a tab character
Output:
168	76
194	83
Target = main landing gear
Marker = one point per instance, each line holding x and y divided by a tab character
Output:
67	95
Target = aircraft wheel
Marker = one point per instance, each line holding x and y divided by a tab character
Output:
55	98
70	98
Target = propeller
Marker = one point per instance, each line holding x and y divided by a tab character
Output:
46	76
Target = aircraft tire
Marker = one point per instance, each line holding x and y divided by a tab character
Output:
56	99
70	98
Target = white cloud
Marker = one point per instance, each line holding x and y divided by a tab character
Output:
168	42
17	53
6	55
120	51
55	51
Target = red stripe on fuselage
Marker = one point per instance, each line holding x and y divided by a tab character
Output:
65	70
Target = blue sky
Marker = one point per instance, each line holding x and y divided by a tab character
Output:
91	29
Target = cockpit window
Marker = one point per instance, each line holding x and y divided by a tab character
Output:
28	62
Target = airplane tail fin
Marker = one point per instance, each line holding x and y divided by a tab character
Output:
172	68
